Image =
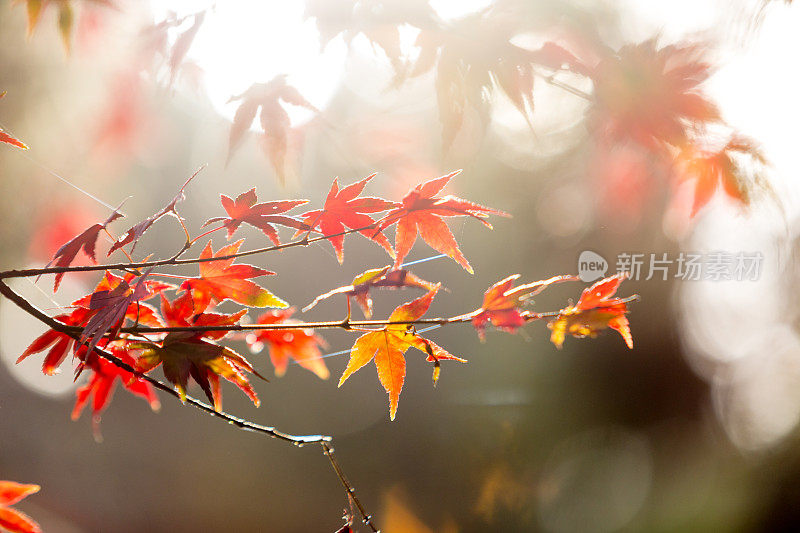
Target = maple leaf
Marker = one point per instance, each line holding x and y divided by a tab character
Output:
377	20
343	209
138	312
181	313
302	345
183	355
384	278
650	95
58	342
10	519
501	303
722	168
222	280
101	384
135	233
475	59
388	346
262	216
85	241
422	212
274	119
595	311
111	306
8	139
182	45
61	344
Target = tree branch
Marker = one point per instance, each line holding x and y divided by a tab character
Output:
174	260
241	423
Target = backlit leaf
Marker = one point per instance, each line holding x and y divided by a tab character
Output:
221	280
302	345
421	212
261	216
345	210
388	345
596	310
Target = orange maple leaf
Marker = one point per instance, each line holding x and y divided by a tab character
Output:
181	313
302	345
222	280
388	346
595	311
714	169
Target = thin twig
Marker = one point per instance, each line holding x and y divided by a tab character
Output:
327	449
555	82
172	261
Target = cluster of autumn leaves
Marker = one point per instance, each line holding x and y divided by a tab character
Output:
648	114
182	333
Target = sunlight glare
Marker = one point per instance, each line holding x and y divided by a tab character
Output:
241	43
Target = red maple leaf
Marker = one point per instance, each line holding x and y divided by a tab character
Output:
8	139
181	313
302	345
58	342
10	519
101	384
111	307
596	310
86	241
388	346
262	216
222	280
343	209
422	212
502	301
